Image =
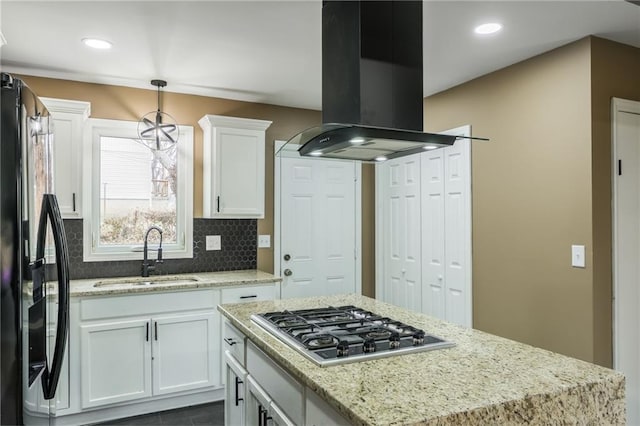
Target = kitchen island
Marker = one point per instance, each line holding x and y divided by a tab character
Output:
484	379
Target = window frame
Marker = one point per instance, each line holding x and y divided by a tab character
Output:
93	251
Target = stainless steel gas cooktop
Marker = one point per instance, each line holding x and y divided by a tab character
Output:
337	335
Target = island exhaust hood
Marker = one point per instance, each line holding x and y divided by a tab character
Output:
372	91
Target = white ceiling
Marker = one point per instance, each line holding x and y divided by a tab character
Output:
269	51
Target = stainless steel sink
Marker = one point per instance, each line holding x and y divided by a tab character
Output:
159	280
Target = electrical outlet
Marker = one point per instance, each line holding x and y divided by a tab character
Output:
264	241
213	242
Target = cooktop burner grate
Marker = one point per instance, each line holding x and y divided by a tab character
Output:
336	335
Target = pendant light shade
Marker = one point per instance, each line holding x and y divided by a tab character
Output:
158	130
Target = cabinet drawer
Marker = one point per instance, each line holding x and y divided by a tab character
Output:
147	304
248	294
285	391
233	341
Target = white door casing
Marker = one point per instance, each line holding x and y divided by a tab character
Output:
626	248
400	181
317	224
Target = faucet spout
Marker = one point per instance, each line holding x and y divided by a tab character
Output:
147	266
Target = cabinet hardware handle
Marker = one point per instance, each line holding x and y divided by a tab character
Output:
218	200
147	338
230	342
238	382
262	416
249	297
155	325
73	198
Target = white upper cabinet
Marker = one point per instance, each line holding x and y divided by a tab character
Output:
69	118
233	167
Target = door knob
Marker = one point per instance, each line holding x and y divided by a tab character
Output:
287	257
288	272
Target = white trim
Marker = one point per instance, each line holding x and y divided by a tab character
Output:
277	258
378	239
184	204
233	122
617	106
66	105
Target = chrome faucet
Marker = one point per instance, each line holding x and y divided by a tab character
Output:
147	266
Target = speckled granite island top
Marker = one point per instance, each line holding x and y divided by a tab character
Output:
126	285
484	379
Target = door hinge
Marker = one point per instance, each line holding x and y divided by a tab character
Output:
619	167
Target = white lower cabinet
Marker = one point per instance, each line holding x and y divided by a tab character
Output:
261	409
127	360
183	349
234	402
269	395
115	362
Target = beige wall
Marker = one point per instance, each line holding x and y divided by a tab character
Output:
615	72
125	103
531	197
542	184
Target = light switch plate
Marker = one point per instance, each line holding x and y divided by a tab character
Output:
577	256
264	241
213	242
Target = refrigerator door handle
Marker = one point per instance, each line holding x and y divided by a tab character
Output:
51	210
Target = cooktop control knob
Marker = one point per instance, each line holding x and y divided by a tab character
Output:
368	346
394	341
418	338
342	348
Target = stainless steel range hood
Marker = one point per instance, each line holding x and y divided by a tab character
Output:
372	92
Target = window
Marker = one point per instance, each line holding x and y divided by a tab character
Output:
130	188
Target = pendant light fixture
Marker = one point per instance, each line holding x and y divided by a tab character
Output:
158	130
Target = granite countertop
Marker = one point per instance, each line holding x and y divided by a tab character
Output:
484	379
133	285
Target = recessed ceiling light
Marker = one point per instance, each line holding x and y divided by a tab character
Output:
357	140
430	147
316	153
97	43
381	158
488	28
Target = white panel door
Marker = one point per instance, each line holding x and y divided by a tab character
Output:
457	225
184	352
318	227
627	250
446	232
433	231
115	362
401	217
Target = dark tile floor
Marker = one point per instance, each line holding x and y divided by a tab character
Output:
206	414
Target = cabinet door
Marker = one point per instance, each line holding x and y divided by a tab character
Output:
115	362
69	118
233	166
258	401
234	402
184	352
276	417
239	173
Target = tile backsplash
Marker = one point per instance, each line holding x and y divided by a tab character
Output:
239	251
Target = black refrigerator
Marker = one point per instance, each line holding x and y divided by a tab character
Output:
34	267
